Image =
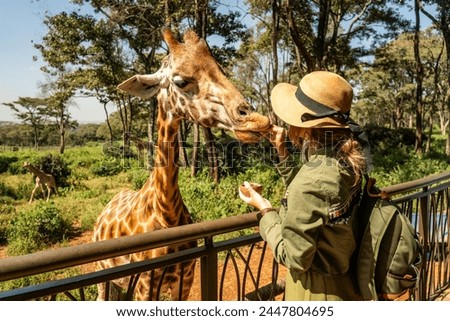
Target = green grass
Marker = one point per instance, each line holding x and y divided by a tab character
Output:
89	189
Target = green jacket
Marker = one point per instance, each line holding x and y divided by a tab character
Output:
312	234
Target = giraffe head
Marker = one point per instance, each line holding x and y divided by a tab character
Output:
192	86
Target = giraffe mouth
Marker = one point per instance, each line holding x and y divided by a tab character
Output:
251	128
248	136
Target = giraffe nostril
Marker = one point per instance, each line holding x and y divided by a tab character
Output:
244	111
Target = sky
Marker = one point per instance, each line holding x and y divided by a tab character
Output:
21	25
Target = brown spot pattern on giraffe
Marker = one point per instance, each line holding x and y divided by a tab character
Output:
158	204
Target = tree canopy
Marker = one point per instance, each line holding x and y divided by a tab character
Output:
89	50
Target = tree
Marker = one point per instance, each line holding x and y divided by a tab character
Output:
31	111
435	80
441	22
83	134
419	80
296	37
59	93
328	27
387	90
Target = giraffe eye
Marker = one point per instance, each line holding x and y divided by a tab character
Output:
180	82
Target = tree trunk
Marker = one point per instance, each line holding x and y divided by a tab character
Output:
62	131
445	28
201	15
108	123
150	132
212	154
301	50
195	150
123	113
181	145
322	29
62	140
436	77
430	132
36	137
447	98
419	81
274	40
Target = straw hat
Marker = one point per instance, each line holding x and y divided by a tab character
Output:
323	99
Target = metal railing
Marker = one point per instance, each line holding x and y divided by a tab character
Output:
426	203
231	267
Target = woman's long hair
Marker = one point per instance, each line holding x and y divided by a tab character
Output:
346	149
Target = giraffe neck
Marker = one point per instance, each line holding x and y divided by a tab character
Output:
34	170
163	182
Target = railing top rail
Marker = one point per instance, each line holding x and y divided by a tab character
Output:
49	260
413	185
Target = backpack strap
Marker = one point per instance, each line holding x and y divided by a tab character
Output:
369	247
369	197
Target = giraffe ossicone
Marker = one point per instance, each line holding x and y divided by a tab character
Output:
188	85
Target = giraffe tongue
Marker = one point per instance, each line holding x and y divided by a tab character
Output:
248	136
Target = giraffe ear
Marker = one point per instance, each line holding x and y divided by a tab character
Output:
144	86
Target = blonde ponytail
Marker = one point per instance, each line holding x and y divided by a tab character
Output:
347	150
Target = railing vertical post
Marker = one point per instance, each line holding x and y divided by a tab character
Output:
208	270
424	228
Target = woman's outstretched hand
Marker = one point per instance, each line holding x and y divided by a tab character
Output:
253	198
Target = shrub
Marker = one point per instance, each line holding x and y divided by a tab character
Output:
16	168
412	168
386	138
83	157
235	157
7	210
20	190
6	190
33	230
5	161
207	201
138	178
107	168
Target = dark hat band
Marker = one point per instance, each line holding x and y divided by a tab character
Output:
323	111
320	110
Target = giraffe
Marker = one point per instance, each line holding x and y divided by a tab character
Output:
188	85
41	179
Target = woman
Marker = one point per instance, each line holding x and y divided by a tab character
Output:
312	234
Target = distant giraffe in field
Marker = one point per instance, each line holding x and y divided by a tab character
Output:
41	179
189	85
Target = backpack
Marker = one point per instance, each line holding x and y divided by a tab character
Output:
388	257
